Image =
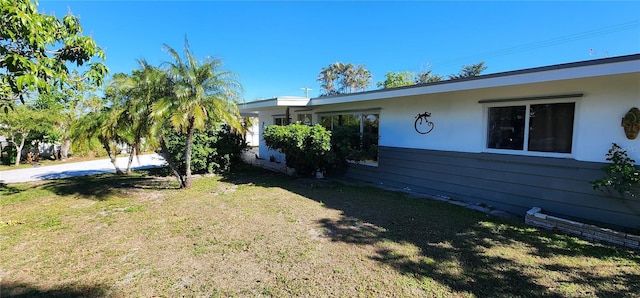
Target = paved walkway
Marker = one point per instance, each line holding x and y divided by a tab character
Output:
79	169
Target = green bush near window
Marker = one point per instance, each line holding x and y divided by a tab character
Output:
621	176
306	148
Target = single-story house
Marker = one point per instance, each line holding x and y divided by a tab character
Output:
511	140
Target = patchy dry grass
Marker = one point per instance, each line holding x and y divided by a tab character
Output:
255	233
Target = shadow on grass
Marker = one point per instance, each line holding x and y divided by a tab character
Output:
6	189
100	187
71	291
454	242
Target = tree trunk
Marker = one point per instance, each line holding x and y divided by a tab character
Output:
131	155
187	153
19	147
112	156
64	148
172	165
135	150
36	155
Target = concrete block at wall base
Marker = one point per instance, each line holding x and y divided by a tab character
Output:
542	224
584	231
609	236
541	215
607	240
534	210
589	229
459	203
569	230
614	233
565	221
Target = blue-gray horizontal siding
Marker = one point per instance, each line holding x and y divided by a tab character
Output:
508	182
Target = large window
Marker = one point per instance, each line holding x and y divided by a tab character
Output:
549	127
279	120
355	134
305	118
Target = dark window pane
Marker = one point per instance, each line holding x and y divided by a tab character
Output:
506	127
551	127
356	134
325	121
305	119
370	136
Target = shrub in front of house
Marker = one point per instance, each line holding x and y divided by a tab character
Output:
622	177
306	148
215	150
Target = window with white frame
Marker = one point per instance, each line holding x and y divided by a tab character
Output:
279	120
355	131
531	127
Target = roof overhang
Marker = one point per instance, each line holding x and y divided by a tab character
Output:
273	103
568	71
577	70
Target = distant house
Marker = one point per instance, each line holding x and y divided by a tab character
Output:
512	140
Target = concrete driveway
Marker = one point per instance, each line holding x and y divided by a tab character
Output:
79	169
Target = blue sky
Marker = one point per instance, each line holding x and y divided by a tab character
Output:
277	48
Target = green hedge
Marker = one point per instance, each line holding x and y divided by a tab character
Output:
307	148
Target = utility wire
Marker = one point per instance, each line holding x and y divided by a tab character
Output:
547	43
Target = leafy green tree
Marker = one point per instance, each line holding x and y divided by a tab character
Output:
397	79
340	78
427	77
200	92
65	106
406	78
35	49
469	71
19	124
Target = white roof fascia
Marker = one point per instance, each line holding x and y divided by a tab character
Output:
284	101
292	101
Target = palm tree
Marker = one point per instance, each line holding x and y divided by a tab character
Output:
201	92
340	78
347	79
327	78
136	93
102	125
362	78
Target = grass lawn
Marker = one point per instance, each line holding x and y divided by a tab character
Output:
254	233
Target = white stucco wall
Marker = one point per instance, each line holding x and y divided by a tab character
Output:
253	132
266	119
460	120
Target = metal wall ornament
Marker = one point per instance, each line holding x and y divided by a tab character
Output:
631	123
422	124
